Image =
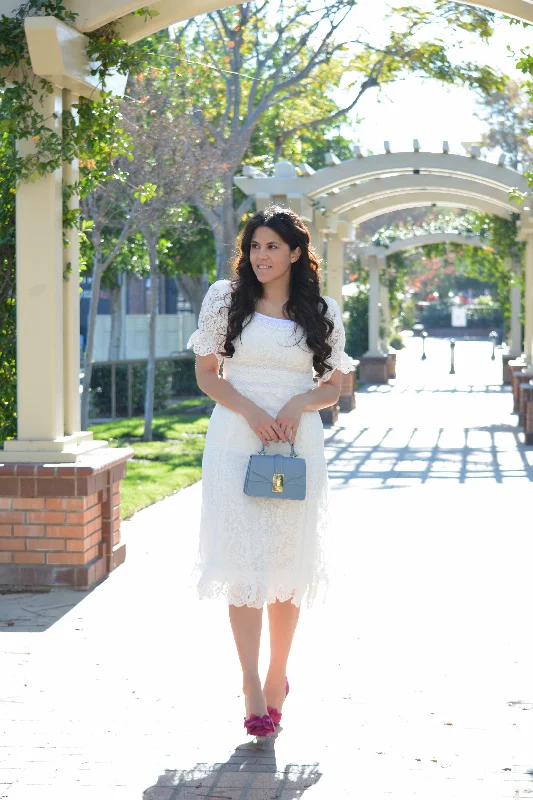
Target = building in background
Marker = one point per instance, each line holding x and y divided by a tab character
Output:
175	323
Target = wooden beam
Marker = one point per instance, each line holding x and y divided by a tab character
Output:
168	13
58	53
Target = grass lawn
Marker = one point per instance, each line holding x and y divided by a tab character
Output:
169	463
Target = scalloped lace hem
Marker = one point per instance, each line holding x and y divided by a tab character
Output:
255	594
345	367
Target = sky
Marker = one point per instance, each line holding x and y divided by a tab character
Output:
427	110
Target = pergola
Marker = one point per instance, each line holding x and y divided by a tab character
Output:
343	194
376	255
52	463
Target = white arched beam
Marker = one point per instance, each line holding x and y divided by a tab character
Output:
348	199
417	199
380	252
519	9
424	239
92	14
360	169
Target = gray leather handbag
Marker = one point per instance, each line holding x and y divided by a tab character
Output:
280	477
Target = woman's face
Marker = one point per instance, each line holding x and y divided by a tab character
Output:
270	256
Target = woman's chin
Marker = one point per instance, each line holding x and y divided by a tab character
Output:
264	275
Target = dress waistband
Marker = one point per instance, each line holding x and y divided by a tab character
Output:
273	378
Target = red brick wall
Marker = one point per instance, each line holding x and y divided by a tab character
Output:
62	520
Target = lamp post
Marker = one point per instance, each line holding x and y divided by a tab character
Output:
424	337
452	356
493	336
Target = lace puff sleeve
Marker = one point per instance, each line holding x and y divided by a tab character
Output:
337	340
210	335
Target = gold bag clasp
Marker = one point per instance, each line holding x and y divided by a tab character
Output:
277	482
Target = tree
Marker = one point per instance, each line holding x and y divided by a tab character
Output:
174	158
110	214
508	114
259	78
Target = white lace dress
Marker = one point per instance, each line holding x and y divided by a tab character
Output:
256	550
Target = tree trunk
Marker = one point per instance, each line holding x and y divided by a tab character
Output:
98	269
225	240
115	339
193	287
151	242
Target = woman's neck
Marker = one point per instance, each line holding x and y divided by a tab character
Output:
276	292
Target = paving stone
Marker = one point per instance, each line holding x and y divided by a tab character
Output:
424	626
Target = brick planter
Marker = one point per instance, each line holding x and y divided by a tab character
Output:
60	525
329	415
391	365
528	417
517	377
509	363
374	369
347	396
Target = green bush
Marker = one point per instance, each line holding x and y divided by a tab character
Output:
184	378
396	341
439	315
100	403
8	382
357	324
484	316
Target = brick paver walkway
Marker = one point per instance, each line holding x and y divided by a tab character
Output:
414	680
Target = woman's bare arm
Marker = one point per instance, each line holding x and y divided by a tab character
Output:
326	394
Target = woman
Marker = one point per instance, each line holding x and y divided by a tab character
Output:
273	333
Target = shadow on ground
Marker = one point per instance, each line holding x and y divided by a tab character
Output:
382	465
251	772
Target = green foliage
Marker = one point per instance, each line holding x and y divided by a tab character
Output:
438	315
489	264
396	341
356	324
173	379
92	133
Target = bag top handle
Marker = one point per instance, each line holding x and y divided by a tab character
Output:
261	452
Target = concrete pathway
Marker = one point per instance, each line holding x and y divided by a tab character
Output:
413	680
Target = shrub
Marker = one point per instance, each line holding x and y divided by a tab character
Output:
8	383
357	324
438	315
184	378
397	342
100	403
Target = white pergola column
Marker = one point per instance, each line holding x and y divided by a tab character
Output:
71	295
528	298
336	269
515	343
48	367
39	246
384	305
374	305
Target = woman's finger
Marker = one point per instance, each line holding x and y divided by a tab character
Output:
278	429
273	433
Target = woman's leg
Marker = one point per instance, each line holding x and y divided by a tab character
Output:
282	618
246	624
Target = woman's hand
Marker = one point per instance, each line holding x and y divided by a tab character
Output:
263	425
289	417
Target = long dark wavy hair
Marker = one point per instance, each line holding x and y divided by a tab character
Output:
305	306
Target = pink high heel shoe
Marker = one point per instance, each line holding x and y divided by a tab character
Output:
275	715
259	726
